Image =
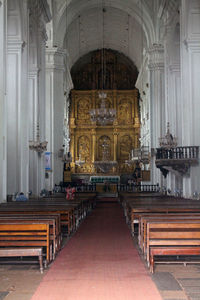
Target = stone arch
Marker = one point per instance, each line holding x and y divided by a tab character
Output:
142	16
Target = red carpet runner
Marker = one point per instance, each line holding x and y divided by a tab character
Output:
99	263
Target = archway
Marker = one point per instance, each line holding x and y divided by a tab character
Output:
119	86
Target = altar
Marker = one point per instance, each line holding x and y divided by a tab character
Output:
105	184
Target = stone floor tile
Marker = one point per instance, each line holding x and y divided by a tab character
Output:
170	295
166	281
18	296
3	295
188	282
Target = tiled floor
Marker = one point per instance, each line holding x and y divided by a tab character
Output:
178	281
18	282
175	282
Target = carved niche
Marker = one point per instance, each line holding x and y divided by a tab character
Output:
126	146
124	112
104	147
84	152
82	110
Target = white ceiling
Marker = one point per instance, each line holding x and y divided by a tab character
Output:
127	26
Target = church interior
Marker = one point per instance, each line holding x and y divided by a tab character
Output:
99	149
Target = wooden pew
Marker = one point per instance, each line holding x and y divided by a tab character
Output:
22	235
52	220
144	219
172	237
21	252
65	212
155	205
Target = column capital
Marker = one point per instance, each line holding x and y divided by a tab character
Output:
174	68
156	57
55	58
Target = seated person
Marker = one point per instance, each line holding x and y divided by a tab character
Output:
21	197
68	191
73	191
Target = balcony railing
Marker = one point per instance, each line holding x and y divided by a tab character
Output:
177	159
138	188
189	152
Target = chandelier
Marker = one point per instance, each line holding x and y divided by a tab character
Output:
168	141
80	162
37	145
105	165
103	115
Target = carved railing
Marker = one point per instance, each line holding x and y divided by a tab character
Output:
189	152
85	188
177	159
151	188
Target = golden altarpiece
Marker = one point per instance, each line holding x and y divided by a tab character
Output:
87	137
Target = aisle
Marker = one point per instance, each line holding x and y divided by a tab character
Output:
99	263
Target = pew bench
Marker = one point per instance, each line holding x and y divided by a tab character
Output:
23	252
23	235
145	218
172	251
165	209
181	237
134	206
54	235
65	212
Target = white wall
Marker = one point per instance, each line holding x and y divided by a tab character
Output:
190	87
17	104
3	149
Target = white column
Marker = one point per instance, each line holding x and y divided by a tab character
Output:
157	103
190	87
55	104
3	121
17	104
34	171
174	116
39	16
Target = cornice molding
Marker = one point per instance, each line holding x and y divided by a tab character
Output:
14	44
192	44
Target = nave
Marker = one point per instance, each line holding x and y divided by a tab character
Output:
99	262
